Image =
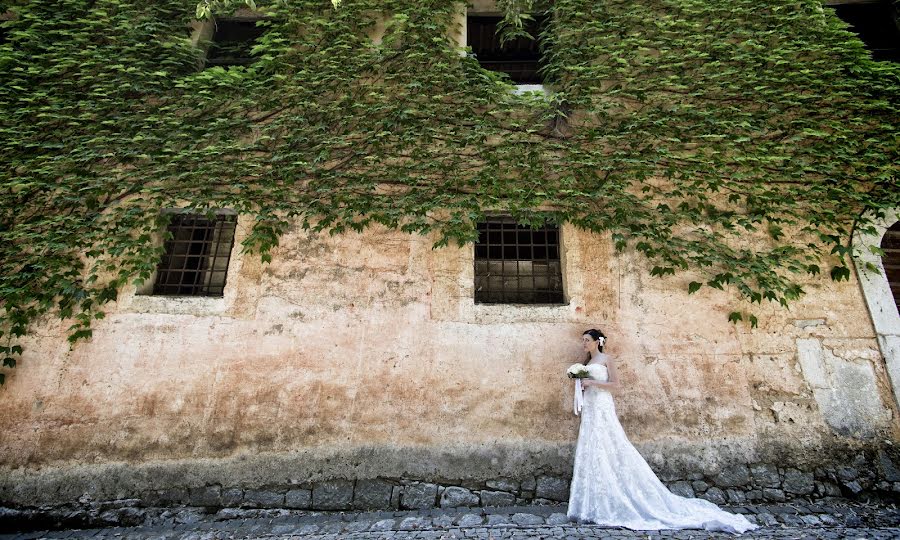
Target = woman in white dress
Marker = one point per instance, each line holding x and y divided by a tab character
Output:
611	483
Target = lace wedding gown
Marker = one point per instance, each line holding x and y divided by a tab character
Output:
613	485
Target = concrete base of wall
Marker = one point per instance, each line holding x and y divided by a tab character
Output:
417	478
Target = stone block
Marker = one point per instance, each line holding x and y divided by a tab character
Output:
418	495
736	496
124	517
529	483
497	520
232	497
682	489
226	514
553	488
527	520
733	476
205	496
497	498
298	498
413	523
798	483
442	521
557	518
261	498
847	474
854	487
372	494
503	484
470	520
714	495
383	525
699	486
771	494
765	475
332	495
889	471
828	489
454	497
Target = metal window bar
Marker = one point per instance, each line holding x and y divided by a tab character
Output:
195	262
515	264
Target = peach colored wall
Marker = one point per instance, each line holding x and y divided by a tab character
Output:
348	355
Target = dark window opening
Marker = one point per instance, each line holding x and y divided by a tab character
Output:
877	25
515	264
233	40
196	257
891	260
519	58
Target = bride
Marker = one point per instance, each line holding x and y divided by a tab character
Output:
611	483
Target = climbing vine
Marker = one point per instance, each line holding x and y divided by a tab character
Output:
743	141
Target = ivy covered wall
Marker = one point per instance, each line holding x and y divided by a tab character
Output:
726	151
680	127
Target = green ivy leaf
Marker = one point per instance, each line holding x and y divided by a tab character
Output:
839	273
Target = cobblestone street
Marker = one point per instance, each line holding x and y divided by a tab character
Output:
837	519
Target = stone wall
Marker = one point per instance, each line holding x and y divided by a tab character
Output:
738	485
362	357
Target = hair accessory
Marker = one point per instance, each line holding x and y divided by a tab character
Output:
600	341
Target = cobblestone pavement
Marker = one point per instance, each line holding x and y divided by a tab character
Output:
836	519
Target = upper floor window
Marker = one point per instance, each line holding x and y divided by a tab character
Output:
232	40
877	23
519	59
196	256
515	264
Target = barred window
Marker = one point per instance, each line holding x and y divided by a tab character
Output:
519	58
515	264
232	41
196	256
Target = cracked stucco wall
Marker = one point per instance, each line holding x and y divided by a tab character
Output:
347	353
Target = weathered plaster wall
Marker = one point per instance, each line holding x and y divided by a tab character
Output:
363	356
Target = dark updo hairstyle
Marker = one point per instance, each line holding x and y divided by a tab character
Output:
595	335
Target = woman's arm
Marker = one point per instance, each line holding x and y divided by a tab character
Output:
612	382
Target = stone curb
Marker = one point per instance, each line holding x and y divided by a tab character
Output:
544	521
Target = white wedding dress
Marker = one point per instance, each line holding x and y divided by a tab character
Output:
612	484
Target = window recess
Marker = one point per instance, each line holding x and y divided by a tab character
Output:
520	58
195	262
515	264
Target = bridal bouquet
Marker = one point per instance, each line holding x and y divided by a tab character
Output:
578	371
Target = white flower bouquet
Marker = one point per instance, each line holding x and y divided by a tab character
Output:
578	371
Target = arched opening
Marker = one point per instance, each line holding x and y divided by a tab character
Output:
890	244
879	277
